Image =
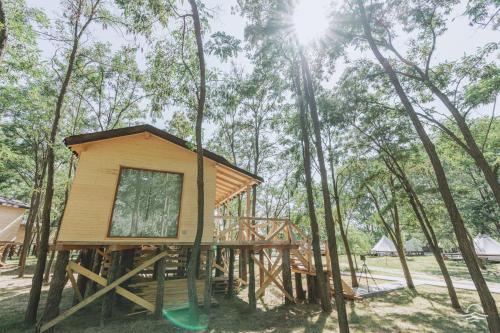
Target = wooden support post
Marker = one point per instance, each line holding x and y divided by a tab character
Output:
81	281
126	262
230	281
96	268
287	274
311	289
5	252
218	261
77	294
160	285
183	260
299	289
207	297
243	264
108	301
251	282
261	271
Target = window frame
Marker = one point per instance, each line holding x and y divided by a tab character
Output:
108	234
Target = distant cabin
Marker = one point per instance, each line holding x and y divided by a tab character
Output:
11	218
137	185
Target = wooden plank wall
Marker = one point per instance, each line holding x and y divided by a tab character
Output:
10	220
90	202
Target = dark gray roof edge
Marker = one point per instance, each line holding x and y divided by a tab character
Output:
4	201
115	133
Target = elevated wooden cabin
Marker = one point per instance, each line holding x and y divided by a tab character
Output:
132	210
137	185
11	217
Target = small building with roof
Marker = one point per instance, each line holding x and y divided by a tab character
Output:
11	218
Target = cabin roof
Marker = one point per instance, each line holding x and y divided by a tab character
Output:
231	179
4	201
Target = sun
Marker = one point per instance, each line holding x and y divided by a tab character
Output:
310	20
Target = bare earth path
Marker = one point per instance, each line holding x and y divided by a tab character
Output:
425	279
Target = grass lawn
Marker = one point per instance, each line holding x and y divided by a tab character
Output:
423	264
426	310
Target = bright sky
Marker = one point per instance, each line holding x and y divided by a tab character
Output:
457	41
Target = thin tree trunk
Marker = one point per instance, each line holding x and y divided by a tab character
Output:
56	288
30	317
207	297
347	247
487	300
427	229
474	150
326	304
395	236
230	274
36	286
109	299
66	195
329	222
30	222
299	288
96	268
398	238
81	281
201	92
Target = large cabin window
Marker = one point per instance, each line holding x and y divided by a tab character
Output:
147	204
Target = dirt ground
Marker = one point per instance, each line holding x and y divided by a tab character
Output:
426	310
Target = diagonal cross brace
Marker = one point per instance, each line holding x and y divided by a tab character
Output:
101	292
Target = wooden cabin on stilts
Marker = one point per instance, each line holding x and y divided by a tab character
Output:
11	226
131	212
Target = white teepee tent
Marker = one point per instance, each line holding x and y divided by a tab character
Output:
384	246
487	247
413	245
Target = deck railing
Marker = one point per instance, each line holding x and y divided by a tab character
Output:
265	231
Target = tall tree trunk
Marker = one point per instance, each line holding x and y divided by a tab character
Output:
34	207
329	222
395	236
56	288
3	30
399	242
474	150
487	300
66	195
326	304
427	229
36	287
201	92
96	268
343	233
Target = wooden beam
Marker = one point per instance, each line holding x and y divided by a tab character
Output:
207	297
119	290
160	286
268	281
287	276
74	284
101	292
227	179
276	232
226	186
230	282
225	172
